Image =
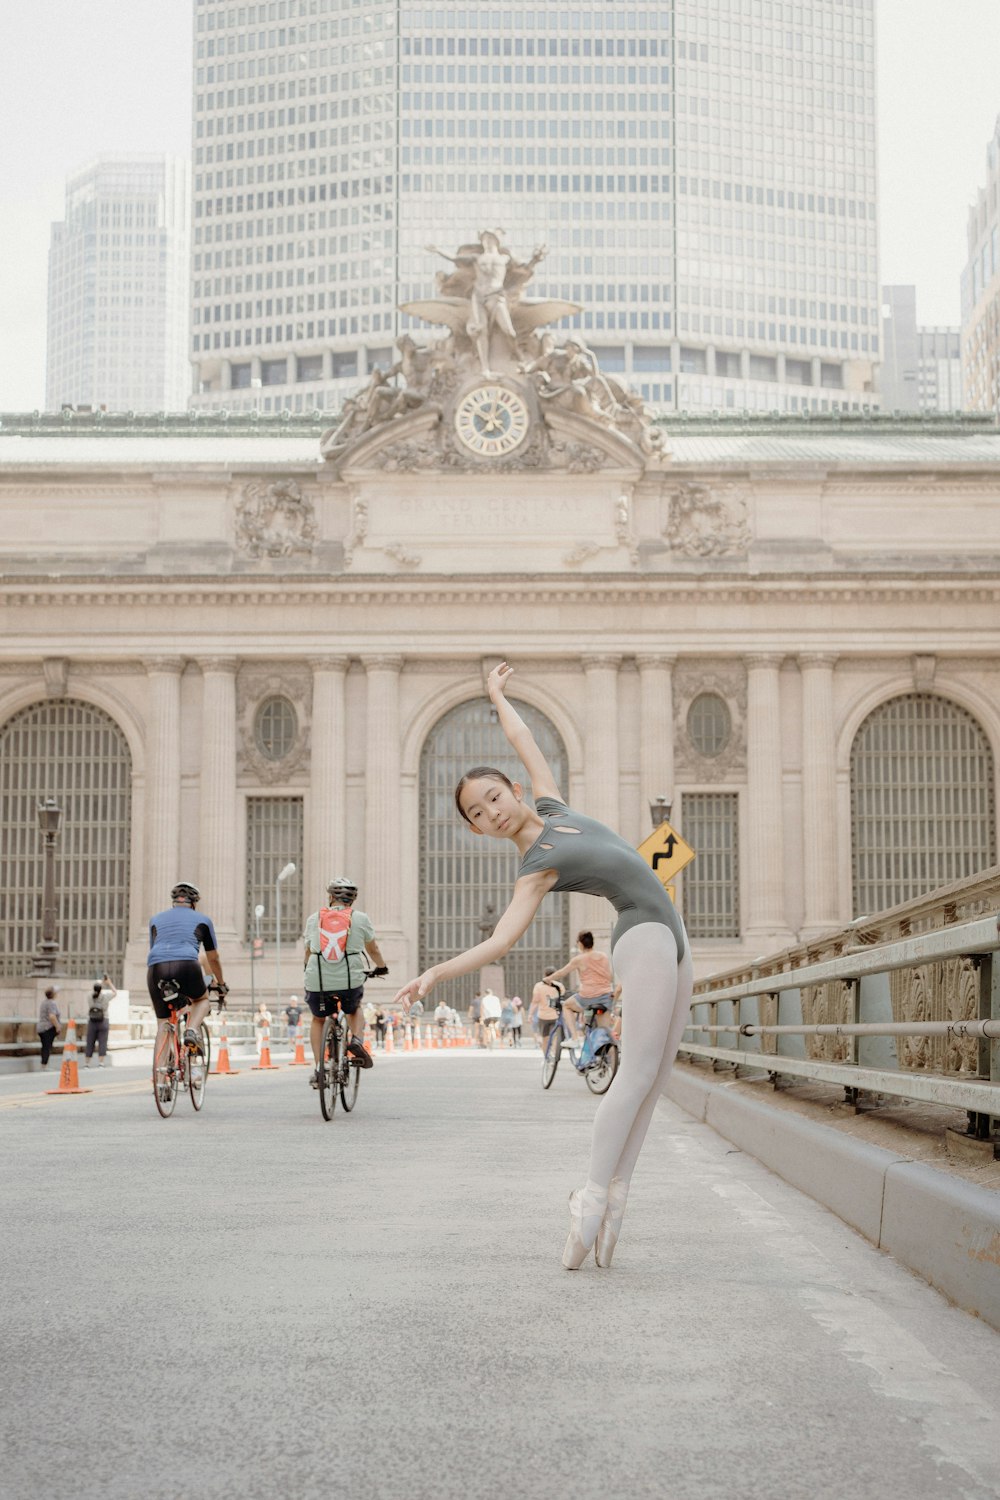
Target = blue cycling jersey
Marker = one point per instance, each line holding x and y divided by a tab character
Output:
178	933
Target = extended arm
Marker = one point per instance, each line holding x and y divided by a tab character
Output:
520	737
513	923
558	973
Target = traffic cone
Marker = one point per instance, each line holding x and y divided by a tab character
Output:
264	1062
390	1045
223	1064
368	1039
299	1060
407	1042
69	1077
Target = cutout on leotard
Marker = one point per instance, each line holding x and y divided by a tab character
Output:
546	846
559	828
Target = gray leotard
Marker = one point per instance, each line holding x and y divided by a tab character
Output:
600	863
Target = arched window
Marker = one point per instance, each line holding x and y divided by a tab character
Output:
460	874
77	754
922	812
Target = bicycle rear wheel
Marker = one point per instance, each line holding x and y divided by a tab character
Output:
350	1076
550	1061
602	1070
197	1068
166	1075
328	1068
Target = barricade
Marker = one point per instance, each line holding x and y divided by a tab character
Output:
223	1068
299	1060
69	1075
264	1063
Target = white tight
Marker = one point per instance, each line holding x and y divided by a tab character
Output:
657	998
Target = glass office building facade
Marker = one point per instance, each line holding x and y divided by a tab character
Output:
703	175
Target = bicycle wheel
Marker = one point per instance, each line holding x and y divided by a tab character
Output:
166	1075
551	1059
330	1061
197	1068
602	1070
350	1076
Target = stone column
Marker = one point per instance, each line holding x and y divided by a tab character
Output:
602	777
762	871
819	796
218	874
326	811
163	782
382	894
656	730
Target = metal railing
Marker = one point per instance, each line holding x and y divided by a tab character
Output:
864	1018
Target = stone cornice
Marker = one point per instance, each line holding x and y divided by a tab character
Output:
537	589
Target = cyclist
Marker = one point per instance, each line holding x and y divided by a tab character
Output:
176	937
595	984
336	937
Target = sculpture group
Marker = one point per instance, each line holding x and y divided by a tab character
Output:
495	333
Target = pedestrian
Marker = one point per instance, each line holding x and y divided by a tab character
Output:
562	849
517	1005
476	1018
48	1023
381	1021
99	1021
293	1014
261	1020
442	1018
491	1008
543	1012
506	1022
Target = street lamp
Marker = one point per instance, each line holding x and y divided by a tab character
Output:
256	947
288	870
46	957
659	811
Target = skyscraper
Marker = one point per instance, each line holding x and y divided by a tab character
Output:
981	291
921	367
703	175
118	287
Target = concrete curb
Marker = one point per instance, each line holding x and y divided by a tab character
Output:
944	1229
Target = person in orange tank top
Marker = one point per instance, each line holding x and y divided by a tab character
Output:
594	981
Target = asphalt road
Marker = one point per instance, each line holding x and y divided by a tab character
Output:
252	1303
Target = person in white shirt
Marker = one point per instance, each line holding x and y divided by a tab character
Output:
490	1013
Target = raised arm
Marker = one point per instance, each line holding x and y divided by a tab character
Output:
513	923
520	737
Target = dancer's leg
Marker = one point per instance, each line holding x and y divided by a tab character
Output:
646	962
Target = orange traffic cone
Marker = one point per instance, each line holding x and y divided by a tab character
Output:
390	1045
407	1041
264	1061
223	1063
69	1077
299	1060
367	1042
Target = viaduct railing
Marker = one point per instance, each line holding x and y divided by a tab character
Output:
905	1004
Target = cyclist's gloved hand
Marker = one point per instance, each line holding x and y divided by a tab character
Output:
222	990
380	973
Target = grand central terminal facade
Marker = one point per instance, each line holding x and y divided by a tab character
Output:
232	645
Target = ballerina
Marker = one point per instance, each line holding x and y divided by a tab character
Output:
562	850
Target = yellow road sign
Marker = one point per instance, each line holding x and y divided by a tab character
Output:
666	852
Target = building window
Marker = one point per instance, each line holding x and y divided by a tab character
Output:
240	377
274	371
275	728
763	367
922	809
709	724
345	364
693	361
460	874
274	838
711	881
651	357
310	367
75	753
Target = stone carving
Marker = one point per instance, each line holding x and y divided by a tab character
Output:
947	991
580	553
623	528
823	1005
404	558
56	670
708	522
493	337
275	520
254	685
359	530
728	680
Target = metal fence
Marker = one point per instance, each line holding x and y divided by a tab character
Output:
880	1008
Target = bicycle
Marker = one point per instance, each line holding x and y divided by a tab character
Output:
597	1058
339	1072
175	1066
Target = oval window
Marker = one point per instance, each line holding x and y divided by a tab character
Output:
276	728
709	724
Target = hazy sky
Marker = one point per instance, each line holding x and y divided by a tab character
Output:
78	79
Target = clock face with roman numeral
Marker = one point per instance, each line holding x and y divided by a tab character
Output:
491	420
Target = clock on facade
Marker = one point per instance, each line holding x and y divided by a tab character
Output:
491	420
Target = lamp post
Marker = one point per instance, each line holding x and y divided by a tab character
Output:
659	811
284	874
47	953
255	948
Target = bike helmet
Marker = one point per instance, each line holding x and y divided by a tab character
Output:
342	889
185	891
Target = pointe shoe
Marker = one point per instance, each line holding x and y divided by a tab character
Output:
585	1215
611	1224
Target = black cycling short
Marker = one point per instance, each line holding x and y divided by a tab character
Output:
190	982
325	1002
